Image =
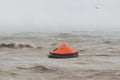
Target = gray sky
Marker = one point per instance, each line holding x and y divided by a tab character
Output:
59	14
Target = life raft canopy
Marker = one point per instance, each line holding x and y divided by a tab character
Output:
63	51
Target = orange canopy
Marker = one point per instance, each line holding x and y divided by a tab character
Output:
63	49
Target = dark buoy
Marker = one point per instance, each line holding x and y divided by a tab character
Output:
63	51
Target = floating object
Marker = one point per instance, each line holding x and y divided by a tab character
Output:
63	51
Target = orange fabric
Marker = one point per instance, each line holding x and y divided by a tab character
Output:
63	49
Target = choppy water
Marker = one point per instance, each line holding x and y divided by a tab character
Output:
65	36
84	41
99	56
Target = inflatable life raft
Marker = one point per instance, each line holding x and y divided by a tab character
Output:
63	51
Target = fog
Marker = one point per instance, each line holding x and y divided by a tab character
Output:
59	15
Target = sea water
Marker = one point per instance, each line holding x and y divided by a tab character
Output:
84	41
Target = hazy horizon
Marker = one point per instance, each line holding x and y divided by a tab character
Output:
41	15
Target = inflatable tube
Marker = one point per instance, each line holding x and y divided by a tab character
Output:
54	55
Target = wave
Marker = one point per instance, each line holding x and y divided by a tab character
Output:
66	35
15	45
55	36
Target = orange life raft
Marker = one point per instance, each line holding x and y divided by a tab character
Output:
63	51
